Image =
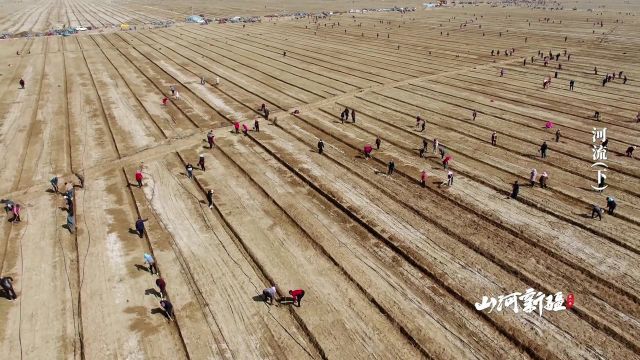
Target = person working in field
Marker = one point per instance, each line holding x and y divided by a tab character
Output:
297	296
269	295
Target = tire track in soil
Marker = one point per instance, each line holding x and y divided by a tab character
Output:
78	279
145	129
380	79
372	59
16	74
32	120
319	66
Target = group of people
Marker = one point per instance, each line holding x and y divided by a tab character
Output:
10	207
69	198
507	52
610	77
270	295
165	304
245	129
596	210
6	282
344	115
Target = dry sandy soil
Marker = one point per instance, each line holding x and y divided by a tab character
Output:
24	17
391	269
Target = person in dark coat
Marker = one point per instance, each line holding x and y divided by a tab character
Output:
515	190
140	226
210	198
7	285
611	205
543	149
168	309
596	211
391	167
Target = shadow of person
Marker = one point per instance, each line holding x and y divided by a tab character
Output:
161	311
133	231
142	267
152	291
258	298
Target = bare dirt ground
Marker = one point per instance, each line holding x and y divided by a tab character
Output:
38	16
390	269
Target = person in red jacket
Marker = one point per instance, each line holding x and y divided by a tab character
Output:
162	285
201	162
423	178
367	151
445	161
236	126
139	178
297	296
